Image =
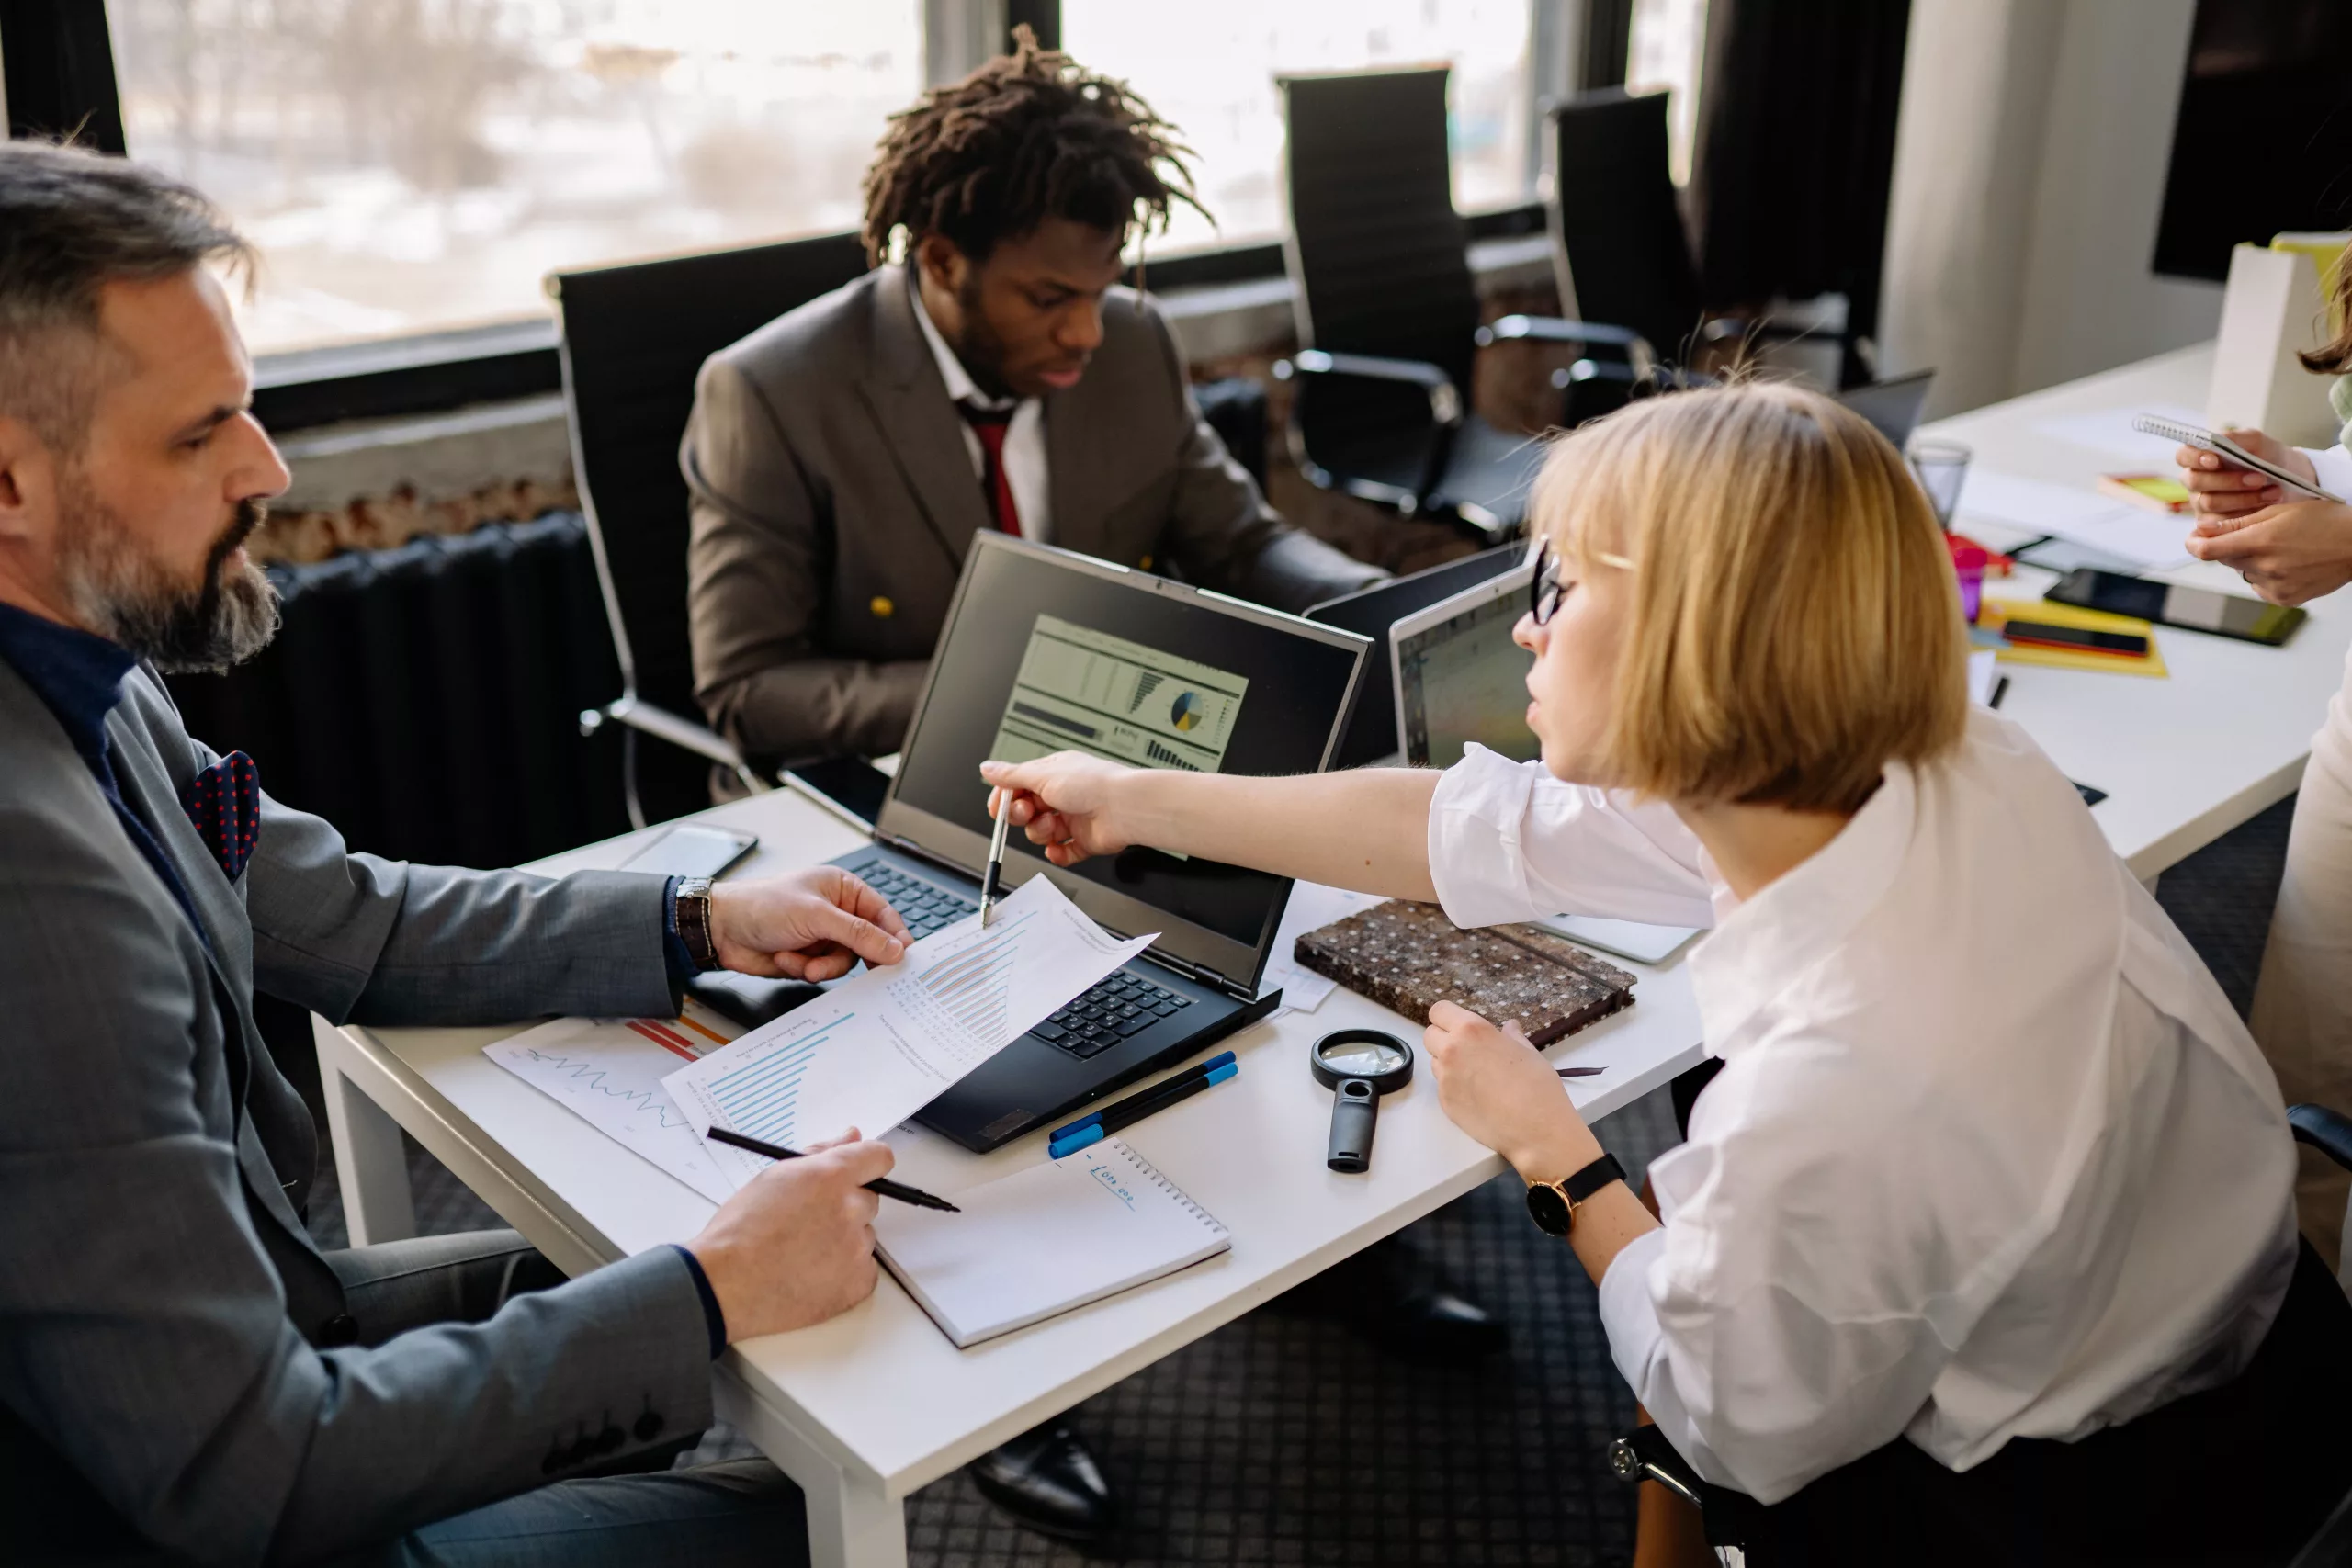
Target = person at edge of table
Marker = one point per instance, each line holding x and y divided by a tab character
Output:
2291	549
1982	1246
190	1377
842	458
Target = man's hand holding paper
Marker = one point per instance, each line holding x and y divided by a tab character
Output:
881	1046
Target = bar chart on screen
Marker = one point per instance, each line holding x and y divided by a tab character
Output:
879	1047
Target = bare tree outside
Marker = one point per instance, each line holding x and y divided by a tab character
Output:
408	166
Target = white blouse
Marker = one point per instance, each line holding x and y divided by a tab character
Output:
1990	1154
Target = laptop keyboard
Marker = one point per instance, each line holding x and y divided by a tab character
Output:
1111	1010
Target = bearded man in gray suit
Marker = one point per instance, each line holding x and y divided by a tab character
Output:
186	1375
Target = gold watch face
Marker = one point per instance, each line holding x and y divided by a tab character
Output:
1548	1207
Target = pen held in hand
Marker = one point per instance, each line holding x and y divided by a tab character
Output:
992	882
882	1185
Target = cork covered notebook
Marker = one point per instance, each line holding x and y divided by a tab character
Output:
1408	957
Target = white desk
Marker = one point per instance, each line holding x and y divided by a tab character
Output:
2185	758
865	1409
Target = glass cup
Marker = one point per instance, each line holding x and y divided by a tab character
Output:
1941	467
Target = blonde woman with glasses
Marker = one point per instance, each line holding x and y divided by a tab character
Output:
1981	1247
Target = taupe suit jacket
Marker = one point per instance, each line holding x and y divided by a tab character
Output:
834	500
165	1315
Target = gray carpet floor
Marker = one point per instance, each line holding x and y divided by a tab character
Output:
1289	1438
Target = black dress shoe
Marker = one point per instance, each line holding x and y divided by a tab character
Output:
1411	1311
1045	1479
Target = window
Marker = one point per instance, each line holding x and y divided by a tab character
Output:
407	165
1213	75
1668	50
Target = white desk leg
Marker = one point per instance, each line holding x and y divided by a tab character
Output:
852	1523
369	1159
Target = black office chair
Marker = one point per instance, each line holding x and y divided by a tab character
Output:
1388	312
1644	1455
1619	248
634	339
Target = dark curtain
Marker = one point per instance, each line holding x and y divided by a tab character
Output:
1796	150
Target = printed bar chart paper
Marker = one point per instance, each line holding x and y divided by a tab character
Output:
610	1072
878	1048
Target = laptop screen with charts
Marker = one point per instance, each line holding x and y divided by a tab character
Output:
1370	733
1459	678
1044	651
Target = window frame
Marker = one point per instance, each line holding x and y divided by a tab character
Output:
56	61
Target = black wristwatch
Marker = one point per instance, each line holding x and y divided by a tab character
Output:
1553	1205
694	922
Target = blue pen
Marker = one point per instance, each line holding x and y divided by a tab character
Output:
1093	1129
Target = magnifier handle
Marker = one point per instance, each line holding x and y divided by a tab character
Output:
1356	1108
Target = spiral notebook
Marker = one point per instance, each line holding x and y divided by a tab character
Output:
1044	1241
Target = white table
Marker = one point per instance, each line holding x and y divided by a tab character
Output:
2185	758
865	1409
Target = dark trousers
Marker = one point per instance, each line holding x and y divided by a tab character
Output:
715	1516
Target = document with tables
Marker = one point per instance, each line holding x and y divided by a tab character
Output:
881	1045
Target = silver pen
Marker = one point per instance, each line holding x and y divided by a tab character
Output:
992	883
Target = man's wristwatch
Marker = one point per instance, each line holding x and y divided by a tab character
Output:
694	922
1553	1205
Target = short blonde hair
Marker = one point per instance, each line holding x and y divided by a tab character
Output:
1796	623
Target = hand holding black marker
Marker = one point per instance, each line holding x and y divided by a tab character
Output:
883	1185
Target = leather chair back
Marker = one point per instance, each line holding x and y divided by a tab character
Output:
1377	255
1619	248
635	336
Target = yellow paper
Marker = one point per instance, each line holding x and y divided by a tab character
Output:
1995	613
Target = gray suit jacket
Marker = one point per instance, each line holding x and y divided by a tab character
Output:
834	500
159	1300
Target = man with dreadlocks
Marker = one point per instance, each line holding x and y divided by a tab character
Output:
842	456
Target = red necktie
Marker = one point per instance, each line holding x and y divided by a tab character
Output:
990	425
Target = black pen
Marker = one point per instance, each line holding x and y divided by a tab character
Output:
1094	1128
884	1185
2000	689
1581	1072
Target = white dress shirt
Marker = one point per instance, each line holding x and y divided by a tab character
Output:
1024	438
1990	1154
2334	466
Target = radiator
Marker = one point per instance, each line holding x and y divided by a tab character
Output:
426	699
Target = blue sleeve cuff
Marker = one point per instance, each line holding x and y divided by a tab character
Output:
713	1319
680	961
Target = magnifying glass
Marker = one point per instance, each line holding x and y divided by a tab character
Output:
1357	1065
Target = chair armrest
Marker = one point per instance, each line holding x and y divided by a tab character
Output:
1445	399
633	712
2329	1132
1554	329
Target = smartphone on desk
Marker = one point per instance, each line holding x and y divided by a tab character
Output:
690	849
2041	634
2169	604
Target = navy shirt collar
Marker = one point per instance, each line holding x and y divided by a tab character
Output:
78	674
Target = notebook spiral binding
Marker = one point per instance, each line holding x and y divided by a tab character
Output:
1152	1172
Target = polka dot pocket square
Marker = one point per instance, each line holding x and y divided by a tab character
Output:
224	802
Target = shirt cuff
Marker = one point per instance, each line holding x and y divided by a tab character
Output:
676	956
2334	467
1476	862
713	1320
1628	1311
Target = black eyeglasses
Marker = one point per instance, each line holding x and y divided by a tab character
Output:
1543	590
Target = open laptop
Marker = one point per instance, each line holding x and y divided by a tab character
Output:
1459	678
1893	406
1371	734
1044	651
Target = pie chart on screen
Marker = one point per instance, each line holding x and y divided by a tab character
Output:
1185	711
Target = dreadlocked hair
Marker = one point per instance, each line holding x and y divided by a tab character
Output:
1028	136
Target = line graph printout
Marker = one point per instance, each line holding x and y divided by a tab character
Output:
1088	691
881	1046
609	1071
